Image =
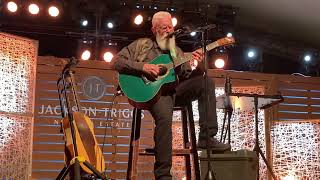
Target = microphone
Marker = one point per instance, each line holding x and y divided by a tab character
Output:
175	33
227	86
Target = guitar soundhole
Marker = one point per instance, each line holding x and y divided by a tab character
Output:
163	70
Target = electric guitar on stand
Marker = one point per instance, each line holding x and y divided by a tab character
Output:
143	91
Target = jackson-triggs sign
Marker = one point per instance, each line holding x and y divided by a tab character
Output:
94	88
118	117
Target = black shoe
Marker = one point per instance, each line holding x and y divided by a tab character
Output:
214	144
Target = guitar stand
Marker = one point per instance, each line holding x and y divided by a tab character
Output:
257	148
75	162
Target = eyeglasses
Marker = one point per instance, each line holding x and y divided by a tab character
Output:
165	27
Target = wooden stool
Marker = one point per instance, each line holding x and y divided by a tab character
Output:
188	150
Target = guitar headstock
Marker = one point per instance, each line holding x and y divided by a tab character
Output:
225	41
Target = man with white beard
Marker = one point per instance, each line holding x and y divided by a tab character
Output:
134	59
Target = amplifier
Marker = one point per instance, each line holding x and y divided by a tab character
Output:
232	165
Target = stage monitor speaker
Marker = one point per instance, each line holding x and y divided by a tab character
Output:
232	165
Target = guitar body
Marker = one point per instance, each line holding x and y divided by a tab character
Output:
142	94
86	142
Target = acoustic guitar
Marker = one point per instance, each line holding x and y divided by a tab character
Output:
143	91
86	143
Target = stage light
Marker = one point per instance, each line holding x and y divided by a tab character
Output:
219	63
194	64
174	21
307	58
53	11
12	6
138	19
218	60
108	56
85	55
154	7
84	22
251	54
110	25
229	34
33	8
172	9
140	6
193	33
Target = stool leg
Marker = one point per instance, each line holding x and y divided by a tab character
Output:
134	145
186	141
193	142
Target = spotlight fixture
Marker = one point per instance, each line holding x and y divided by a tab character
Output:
110	25
85	49
84	22
85	55
53	11
33	9
153	7
218	60
307	58
12	6
108	56
138	19
219	63
139	6
174	21
193	33
251	54
172	9
229	34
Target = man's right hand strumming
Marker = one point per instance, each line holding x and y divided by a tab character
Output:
151	69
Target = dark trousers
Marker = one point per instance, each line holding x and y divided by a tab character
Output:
187	91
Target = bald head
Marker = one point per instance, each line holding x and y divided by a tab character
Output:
161	17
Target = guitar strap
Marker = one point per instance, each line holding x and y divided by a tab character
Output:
86	136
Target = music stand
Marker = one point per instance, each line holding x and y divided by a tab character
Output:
259	102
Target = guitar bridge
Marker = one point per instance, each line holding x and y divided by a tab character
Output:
145	79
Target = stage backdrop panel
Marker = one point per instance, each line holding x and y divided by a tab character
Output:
18	61
97	83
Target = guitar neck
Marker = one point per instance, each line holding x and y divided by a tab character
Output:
188	56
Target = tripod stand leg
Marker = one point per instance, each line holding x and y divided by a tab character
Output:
224	122
63	173
76	167
97	173
229	125
266	162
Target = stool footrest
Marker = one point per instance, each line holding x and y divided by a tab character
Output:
175	152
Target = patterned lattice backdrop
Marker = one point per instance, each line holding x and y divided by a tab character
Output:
17	71
296	150
242	128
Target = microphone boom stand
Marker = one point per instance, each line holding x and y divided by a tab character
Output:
210	173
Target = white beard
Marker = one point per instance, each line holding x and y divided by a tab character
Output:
165	43
162	42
